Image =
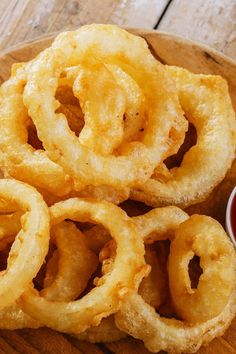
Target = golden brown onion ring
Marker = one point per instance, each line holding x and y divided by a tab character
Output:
202	236
167	334
19	159
105	299
206	103
170	334
165	124
31	243
67	274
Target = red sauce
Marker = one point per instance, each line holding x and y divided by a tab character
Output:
233	216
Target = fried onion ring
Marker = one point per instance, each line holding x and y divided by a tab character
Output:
19	159
67	275
206	103
179	335
166	334
203	236
31	243
105	299
93	44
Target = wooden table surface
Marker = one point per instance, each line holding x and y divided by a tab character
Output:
209	21
212	22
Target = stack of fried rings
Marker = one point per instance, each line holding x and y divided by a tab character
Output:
89	123
130	292
116	115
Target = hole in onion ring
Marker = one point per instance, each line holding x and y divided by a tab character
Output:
195	271
134	208
70	107
3	257
33	138
189	141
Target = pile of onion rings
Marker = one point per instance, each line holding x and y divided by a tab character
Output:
103	311
91	122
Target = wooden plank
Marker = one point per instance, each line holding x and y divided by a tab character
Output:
230	335
5	348
218	346
48	341
138	13
85	347
212	22
18	343
127	346
22	20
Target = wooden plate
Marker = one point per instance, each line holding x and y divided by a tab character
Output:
168	49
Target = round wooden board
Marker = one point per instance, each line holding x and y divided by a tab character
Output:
168	49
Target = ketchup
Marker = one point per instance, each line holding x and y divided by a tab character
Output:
233	216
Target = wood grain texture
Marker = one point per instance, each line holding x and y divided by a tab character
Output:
127	346
17	342
172	50
85	347
48	341
212	22
6	348
22	20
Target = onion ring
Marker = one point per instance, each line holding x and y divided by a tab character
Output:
206	102
31	243
171	334
77	316
91	44
19	159
203	236
74	263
